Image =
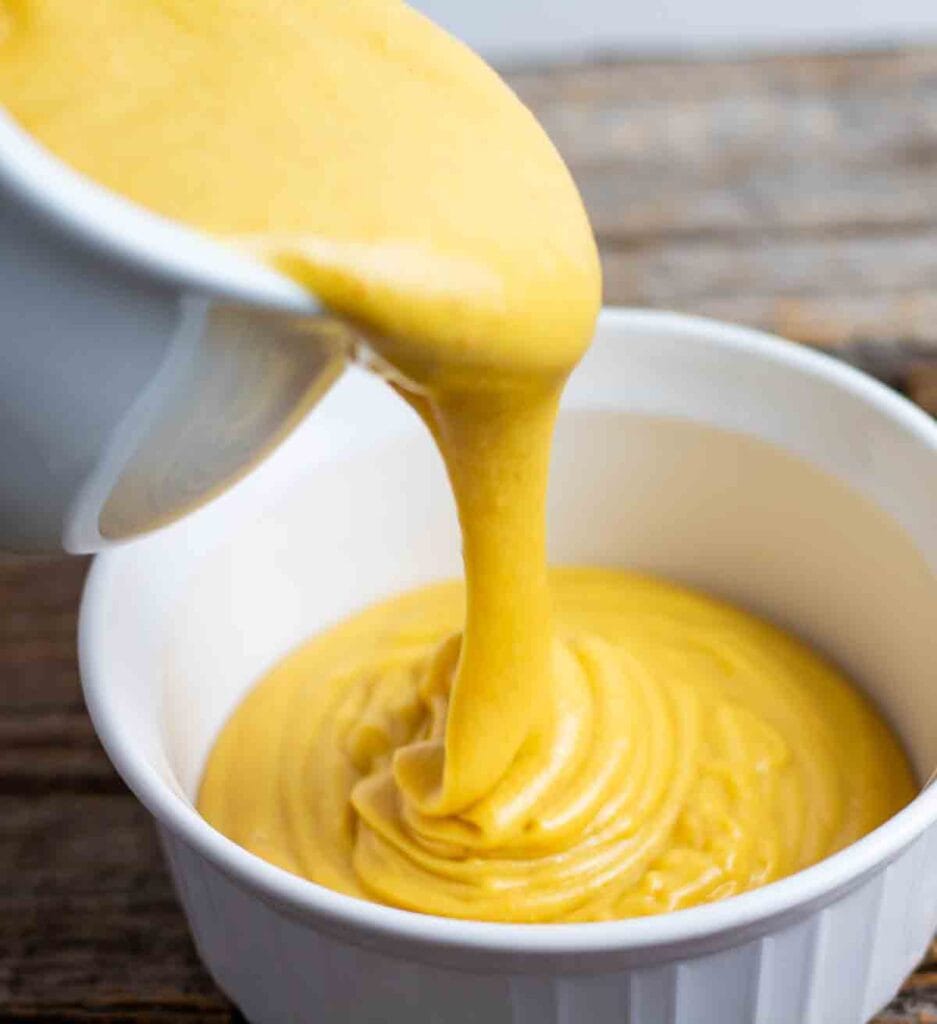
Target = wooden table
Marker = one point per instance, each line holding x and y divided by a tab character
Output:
797	194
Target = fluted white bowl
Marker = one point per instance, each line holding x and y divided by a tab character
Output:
712	454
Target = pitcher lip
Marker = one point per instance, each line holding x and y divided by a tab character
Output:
814	886
109	225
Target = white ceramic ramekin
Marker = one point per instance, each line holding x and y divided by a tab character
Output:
767	473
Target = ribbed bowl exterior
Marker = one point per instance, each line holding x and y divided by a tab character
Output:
836	963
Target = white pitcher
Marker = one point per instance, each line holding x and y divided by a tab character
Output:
143	366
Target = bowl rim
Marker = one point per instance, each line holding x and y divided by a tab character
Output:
309	900
131	236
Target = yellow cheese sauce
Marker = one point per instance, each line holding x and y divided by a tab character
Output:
599	747
680	751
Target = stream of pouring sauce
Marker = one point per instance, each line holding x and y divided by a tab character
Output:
635	750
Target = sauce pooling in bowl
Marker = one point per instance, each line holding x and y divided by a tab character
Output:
633	750
685	752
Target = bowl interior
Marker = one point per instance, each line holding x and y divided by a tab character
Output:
708	455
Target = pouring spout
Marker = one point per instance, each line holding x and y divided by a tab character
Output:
144	367
235	382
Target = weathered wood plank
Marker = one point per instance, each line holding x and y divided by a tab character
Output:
171	1012
793	194
922	384
47	742
804	289
52	753
37	635
87	913
663	78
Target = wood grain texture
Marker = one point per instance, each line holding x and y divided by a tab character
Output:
797	194
922	384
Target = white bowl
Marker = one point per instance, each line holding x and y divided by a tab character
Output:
129	342
715	455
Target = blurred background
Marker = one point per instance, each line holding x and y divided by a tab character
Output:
526	29
772	164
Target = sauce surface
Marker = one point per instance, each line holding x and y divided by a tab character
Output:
687	751
492	760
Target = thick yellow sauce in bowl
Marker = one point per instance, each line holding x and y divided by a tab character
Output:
683	752
579	746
